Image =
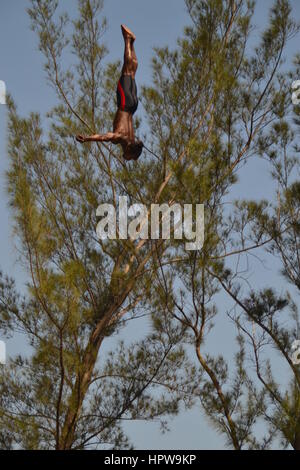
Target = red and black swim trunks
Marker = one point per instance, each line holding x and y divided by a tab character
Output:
127	94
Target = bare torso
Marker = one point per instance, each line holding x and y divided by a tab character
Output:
123	125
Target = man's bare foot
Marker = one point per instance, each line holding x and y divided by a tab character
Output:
127	33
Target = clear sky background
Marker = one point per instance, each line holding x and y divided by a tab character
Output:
155	23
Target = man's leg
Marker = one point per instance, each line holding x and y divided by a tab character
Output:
130	60
134	59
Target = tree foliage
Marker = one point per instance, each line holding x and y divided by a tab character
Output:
214	104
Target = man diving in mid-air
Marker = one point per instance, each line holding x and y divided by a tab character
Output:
123	133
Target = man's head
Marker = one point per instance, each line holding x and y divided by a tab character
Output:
133	150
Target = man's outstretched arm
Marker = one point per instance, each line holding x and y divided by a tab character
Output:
113	137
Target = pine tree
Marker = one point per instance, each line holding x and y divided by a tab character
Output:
235	101
268	319
213	104
81	290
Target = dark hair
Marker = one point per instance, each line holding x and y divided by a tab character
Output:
135	149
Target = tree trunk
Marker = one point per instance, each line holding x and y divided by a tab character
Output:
296	445
82	382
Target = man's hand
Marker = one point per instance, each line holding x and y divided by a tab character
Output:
81	138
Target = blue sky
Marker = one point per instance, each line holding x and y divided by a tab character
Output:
155	23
